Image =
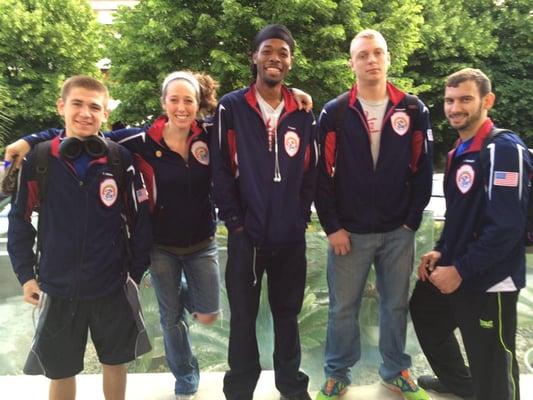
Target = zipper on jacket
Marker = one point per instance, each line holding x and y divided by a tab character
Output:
188	197
277	172
373	186
367	129
79	264
77	270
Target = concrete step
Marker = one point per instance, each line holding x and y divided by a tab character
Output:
160	387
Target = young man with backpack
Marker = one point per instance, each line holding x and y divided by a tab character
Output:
93	238
375	174
472	279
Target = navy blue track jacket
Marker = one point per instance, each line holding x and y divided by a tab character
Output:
273	213
351	194
84	252
486	211
181	201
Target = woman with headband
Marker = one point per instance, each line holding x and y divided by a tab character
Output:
173	156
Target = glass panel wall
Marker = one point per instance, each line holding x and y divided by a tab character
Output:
210	343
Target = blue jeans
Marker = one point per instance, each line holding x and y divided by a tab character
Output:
392	254
203	293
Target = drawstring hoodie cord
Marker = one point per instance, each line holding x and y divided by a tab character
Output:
277	172
253	266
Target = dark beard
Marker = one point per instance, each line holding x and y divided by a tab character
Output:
270	83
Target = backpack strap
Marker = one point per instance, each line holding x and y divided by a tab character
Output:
340	111
492	135
118	168
494	132
412	109
42	158
116	164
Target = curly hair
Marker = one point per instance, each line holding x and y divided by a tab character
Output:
208	94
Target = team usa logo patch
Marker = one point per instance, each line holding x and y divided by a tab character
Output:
292	143
108	192
400	122
465	178
200	152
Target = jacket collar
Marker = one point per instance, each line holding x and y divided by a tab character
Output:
156	130
477	143
288	98
395	94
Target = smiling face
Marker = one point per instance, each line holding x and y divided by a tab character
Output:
273	60
180	103
369	59
464	107
84	111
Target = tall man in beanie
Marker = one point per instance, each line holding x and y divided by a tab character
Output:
375	175
264	163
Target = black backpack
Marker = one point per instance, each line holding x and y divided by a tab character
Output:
528	234
42	156
115	163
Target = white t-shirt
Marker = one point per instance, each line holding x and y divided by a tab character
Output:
374	113
507	285
270	117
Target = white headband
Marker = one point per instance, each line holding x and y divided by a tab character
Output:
187	76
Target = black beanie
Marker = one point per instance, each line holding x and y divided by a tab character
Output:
274	31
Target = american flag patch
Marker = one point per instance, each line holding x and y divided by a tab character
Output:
505	178
142	195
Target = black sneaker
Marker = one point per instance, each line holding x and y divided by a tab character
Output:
301	396
429	382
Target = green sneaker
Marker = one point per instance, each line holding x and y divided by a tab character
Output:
404	385
332	390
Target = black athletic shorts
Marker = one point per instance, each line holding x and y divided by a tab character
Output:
116	326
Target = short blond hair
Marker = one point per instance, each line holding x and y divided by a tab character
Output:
369	34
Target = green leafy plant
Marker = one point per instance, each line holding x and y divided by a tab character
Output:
43	43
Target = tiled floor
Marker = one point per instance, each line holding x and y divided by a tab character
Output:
159	387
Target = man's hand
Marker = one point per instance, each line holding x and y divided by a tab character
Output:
16	151
427	264
446	279
340	242
303	100
31	292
